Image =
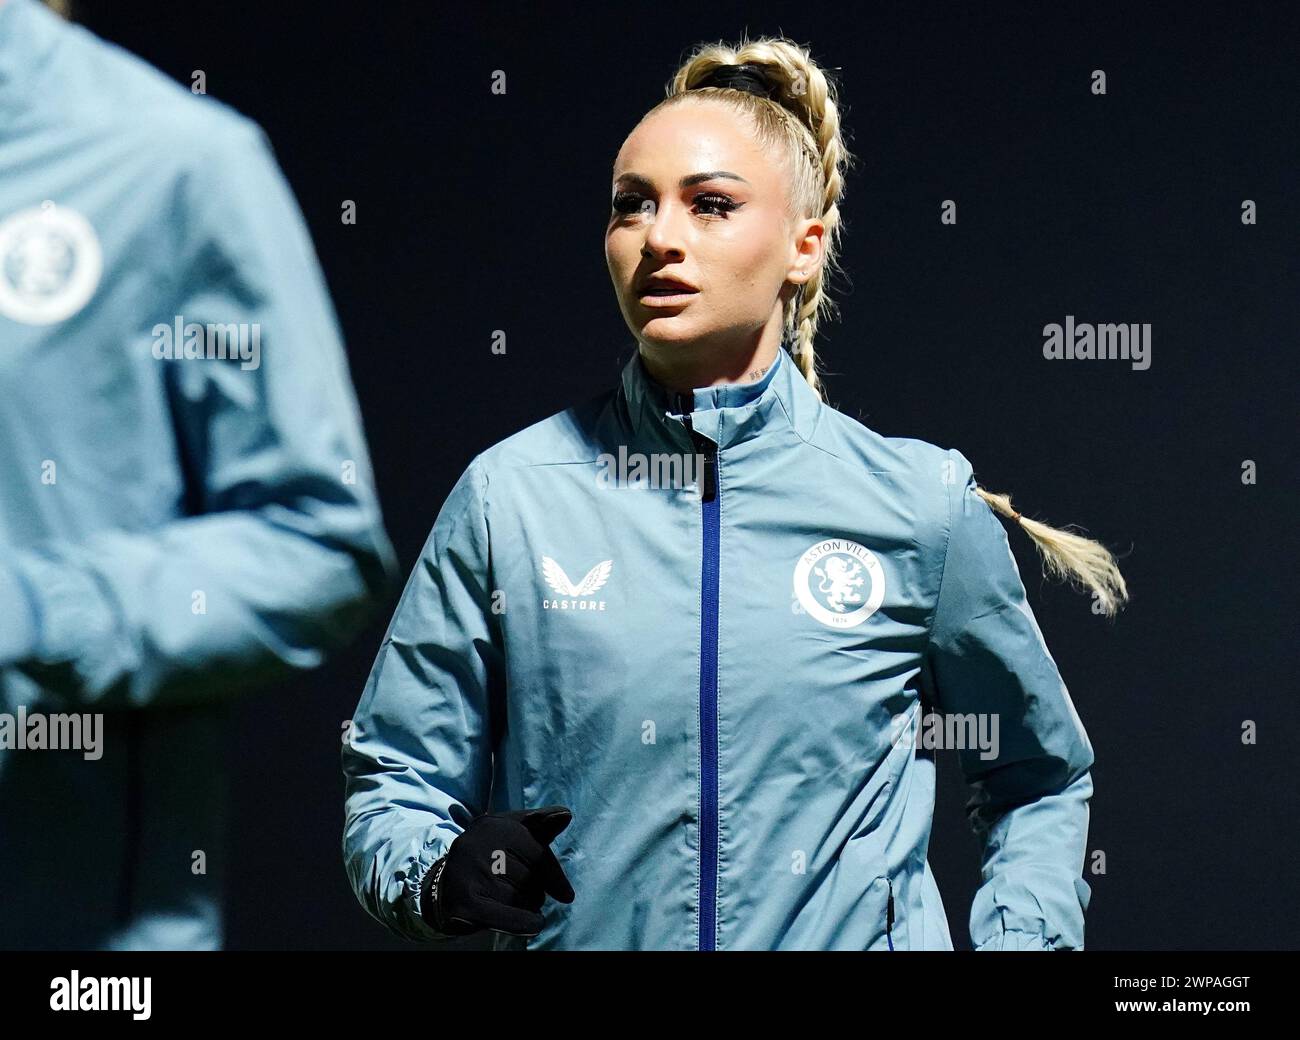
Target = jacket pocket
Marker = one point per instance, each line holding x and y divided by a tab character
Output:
882	926
889	914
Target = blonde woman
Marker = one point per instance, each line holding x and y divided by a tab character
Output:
657	679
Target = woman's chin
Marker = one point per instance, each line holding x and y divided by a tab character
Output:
667	330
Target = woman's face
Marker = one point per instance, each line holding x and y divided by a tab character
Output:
697	200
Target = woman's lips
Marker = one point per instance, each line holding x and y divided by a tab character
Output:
666	295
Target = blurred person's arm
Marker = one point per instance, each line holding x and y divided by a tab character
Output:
281	554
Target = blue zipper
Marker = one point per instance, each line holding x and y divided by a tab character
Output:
708	916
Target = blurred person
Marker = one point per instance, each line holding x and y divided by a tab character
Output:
611	713
186	502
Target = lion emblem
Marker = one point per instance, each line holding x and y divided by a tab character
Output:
838	580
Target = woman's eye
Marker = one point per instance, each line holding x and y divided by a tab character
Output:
719	205
627	202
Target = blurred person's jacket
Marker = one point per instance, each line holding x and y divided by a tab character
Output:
174	533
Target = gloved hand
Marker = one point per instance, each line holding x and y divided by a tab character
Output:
461	893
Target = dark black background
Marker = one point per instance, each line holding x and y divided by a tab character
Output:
479	212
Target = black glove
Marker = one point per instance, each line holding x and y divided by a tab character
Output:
461	894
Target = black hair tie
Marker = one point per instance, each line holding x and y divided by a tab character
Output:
748	77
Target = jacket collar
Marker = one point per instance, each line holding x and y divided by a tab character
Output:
726	414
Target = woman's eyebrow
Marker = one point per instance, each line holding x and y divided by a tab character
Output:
685	182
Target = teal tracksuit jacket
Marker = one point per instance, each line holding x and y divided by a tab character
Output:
726	679
173	532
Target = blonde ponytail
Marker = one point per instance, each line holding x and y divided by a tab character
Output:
1084	562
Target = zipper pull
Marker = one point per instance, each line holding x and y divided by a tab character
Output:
683	403
709	450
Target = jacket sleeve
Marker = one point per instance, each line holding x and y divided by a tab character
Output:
1029	809
278	554
417	759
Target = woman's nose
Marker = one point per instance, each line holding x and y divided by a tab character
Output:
663	232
